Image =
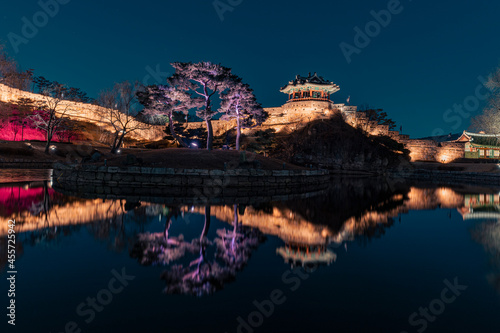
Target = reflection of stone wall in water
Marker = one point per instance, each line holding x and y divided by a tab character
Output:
72	213
351	207
317	221
285	224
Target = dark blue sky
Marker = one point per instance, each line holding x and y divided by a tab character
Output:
427	59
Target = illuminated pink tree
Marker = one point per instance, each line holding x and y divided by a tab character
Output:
205	80
240	103
164	100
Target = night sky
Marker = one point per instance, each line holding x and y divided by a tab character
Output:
427	59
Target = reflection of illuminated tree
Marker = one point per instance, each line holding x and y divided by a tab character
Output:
235	247
119	225
199	277
202	275
18	200
24	202
161	248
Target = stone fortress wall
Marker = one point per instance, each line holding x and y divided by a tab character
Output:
283	119
430	150
84	112
294	114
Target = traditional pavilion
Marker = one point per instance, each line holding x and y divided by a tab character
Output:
312	87
481	145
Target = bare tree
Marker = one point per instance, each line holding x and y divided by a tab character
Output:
10	74
240	103
120	110
489	120
51	113
24	109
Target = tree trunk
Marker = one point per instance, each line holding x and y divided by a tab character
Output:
46	151
47	144
118	144
210	134
168	222
207	222
235	227
50	132
115	142
172	132
238	133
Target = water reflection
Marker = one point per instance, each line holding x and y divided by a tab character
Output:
24	175
207	272
311	230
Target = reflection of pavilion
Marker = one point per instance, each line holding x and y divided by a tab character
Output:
480	206
306	254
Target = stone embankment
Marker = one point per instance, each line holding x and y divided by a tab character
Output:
202	185
19	163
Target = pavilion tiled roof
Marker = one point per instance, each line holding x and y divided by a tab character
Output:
481	139
315	78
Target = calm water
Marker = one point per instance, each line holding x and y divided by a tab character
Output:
364	256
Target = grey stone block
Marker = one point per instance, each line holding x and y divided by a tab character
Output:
146	171
216	173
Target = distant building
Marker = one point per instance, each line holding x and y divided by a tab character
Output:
481	145
310	97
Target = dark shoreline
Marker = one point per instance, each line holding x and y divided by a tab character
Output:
431	176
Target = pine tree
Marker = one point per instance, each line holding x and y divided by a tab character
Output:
205	80
240	103
164	100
